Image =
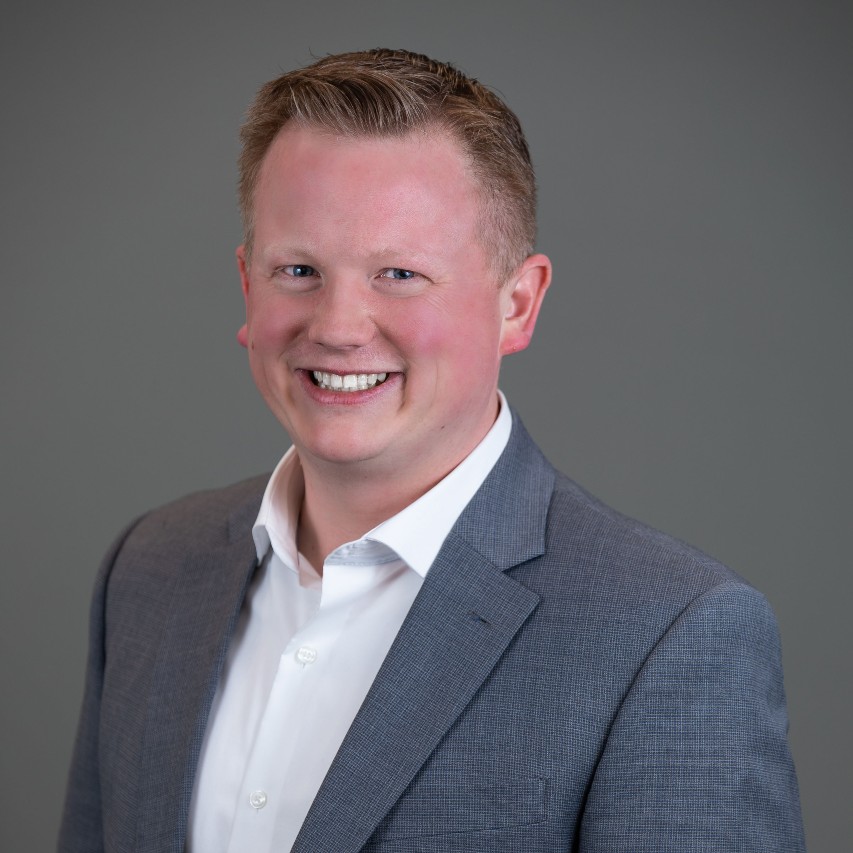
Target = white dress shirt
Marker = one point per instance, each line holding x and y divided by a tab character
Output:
305	652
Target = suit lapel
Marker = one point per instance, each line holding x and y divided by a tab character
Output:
464	617
206	599
459	626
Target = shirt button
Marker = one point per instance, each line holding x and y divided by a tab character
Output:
257	799
306	654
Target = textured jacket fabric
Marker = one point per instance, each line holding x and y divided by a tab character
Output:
566	680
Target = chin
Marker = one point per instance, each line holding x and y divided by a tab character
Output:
337	449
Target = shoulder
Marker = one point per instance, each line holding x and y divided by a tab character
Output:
583	524
211	516
586	546
615	577
154	547
138	574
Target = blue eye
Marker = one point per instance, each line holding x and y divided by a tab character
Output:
300	270
399	274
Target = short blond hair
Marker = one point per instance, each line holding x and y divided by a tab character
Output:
392	93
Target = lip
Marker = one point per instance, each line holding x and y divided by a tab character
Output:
346	398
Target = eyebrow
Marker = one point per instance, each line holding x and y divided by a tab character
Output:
411	257
275	249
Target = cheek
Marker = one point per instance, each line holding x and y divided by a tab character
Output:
421	334
464	335
270	324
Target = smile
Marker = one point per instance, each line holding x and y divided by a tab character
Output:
347	381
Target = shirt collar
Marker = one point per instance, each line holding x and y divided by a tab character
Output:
279	514
415	534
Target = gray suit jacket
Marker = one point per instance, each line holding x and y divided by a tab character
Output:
566	680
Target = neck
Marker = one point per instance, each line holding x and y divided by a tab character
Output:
342	509
342	502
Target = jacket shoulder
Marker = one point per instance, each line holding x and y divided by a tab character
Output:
615	556
211	517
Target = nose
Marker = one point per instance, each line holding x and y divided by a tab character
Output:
342	317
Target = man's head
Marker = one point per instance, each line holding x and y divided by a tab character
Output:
393	93
380	298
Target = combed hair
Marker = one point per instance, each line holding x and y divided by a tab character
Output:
393	93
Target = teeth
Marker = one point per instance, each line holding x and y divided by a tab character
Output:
348	381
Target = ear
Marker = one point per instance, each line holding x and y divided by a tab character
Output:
522	300
243	331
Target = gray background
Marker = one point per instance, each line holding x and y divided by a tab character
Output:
692	366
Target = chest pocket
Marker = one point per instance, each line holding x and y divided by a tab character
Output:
464	803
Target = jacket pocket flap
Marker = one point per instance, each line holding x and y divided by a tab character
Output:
465	803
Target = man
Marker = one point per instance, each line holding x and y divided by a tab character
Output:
416	635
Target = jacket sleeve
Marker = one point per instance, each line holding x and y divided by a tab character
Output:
697	758
81	830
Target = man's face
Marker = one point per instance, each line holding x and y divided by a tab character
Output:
375	326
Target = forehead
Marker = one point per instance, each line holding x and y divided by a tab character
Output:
296	133
346	185
429	157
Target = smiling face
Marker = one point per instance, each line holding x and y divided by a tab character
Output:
374	324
